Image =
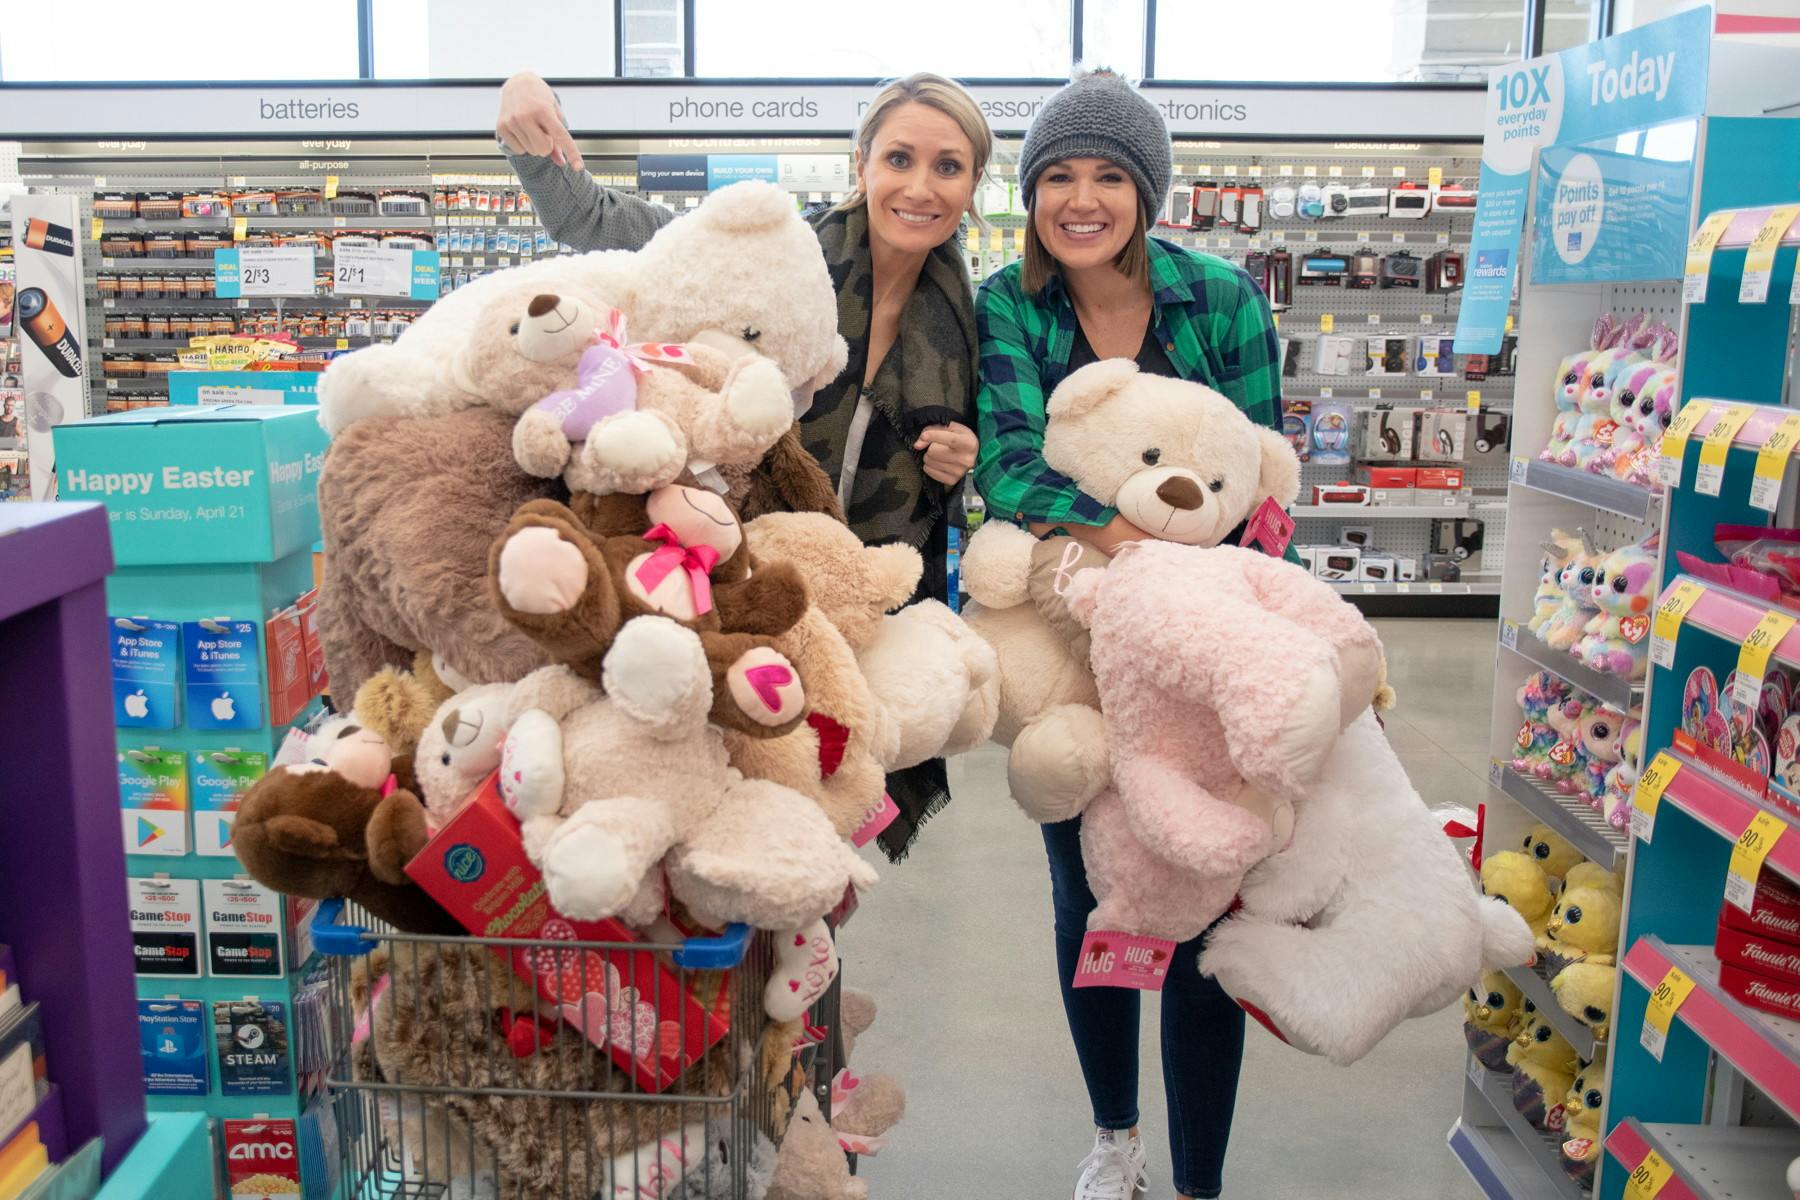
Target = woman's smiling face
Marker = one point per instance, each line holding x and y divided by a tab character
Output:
1084	211
919	177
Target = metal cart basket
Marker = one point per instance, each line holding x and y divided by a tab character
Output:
451	1077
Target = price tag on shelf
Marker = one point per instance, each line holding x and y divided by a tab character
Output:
331	186
98	228
1509	323
1399	172
1369	589
1434	588
373	271
1278	235
1649	792
1368	172
1312	235
1675	440
1474	398
1334	172
1327	322
240	228
1496	772
1700	255
1399	239
1753	657
1362	235
263	271
1666	999
1403	588
1285	169
1509	634
1759	260
1715	449
1649	1177
1326	393
1666	627
1477	1072
1230	171
1435	176
1374	318
1311	172
1443	239
1520	465
1772	461
1747	857
343	343
1374	393
1426	318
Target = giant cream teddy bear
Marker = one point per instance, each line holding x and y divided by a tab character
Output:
1225	677
1181	462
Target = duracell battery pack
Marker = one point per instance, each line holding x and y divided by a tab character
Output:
52	239
46	327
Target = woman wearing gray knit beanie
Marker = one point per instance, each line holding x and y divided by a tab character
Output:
1093	284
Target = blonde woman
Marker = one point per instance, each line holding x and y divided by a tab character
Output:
894	430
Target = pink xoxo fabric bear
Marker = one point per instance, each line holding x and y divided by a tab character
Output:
1225	677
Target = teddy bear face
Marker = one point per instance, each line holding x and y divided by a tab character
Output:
697	517
526	343
745	265
1178	460
460	747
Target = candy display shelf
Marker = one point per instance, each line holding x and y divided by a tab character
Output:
1711	1162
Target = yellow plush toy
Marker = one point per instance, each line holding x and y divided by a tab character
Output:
1584	927
1584	990
1544	1067
1592	874
1490	1010
1519	881
1585	1107
1551	851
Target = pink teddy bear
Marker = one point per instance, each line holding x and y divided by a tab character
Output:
1225	677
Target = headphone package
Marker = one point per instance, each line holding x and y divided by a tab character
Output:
1443	434
1388	434
1331	433
1336	354
1457	539
1436	355
1492	436
1281	202
1310	202
1296	427
1389	354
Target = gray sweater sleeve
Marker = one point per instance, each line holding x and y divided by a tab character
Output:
578	212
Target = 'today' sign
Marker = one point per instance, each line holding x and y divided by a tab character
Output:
1645	77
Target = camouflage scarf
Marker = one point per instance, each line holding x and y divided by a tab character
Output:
928	378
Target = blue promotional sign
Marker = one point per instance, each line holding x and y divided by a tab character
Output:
672	172
1649	76
224	674
1608	218
174	1036
723	169
244	387
146	665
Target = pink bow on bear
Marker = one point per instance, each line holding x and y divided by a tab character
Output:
697	561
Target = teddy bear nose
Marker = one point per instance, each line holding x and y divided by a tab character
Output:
543	305
1178	491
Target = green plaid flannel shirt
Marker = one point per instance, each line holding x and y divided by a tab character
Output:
1212	321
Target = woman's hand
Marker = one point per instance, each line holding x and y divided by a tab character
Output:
1109	537
949	451
531	121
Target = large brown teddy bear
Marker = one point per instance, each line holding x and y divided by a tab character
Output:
570	577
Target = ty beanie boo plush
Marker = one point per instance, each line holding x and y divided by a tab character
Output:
571	576
1178	460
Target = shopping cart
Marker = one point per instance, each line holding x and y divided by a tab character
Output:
449	1078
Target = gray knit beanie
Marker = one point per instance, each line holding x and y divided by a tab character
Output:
1099	115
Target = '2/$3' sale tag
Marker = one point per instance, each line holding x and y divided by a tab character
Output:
224	674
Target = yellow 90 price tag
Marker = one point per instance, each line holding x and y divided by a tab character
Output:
1650	788
1771	463
1759	260
1648	1178
1669	616
1666	998
1700	254
1675	440
1747	857
1753	657
1715	448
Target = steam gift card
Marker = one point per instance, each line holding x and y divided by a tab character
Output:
223	661
174	1035
153	800
219	779
146	663
252	1040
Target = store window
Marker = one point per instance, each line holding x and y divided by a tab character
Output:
861	39
474	39
87	41
1331	41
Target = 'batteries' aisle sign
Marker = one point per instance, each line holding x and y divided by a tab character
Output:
1645	77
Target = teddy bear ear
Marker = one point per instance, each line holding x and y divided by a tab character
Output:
1280	477
894	571
1083	593
1091	387
747	207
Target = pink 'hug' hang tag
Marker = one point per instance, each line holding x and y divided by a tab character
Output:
1127	960
1269	527
883	817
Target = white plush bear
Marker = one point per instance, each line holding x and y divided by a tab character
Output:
1369	917
742	266
460	748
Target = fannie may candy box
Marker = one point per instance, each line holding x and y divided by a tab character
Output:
1778	996
626	1002
231	484
1763	956
1774	911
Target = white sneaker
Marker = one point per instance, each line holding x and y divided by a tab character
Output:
1114	1169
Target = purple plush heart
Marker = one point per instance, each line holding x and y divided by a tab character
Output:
608	385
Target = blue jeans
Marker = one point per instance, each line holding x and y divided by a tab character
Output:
1202	1033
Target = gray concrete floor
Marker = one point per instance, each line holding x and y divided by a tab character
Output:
955	944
